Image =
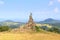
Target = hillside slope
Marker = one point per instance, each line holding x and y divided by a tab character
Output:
28	36
50	21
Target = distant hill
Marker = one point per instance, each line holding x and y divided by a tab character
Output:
53	22
11	23
50	20
8	21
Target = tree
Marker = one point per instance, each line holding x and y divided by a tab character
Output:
4	28
54	29
37	28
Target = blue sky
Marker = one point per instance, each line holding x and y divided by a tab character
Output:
19	10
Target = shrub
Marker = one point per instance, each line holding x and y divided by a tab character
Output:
54	29
44	28
4	28
37	28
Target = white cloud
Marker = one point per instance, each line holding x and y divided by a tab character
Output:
56	10
50	3
58	0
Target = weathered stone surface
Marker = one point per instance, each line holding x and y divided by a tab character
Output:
31	24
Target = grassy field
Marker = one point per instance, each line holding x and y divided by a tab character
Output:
29	36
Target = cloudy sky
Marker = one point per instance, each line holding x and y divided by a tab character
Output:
20	9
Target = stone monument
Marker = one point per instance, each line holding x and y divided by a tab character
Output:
28	27
31	24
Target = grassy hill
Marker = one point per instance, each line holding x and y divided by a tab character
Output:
29	36
42	35
11	24
52	22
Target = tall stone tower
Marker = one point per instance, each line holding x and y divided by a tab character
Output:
28	27
31	24
30	18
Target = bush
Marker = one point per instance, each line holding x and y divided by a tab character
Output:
37	28
44	28
54	29
4	28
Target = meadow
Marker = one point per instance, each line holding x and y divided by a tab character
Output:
29	36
